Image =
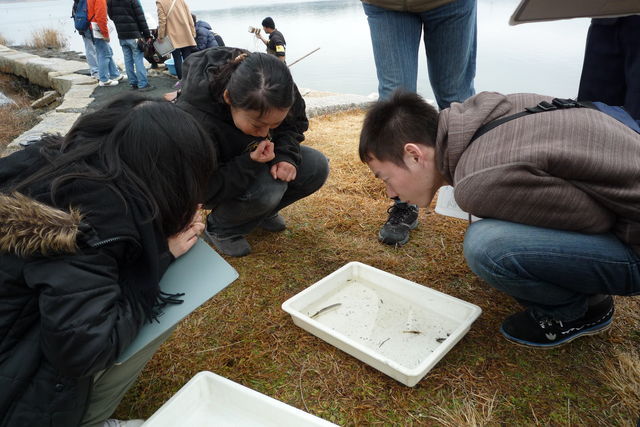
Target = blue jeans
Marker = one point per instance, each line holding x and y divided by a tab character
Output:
106	67
611	69
552	272
266	196
179	55
133	63
90	52
450	44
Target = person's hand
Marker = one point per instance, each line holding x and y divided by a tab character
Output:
263	153
180	243
284	171
107	39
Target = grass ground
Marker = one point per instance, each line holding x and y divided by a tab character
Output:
15	118
243	334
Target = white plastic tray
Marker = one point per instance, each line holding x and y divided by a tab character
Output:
211	400
397	326
446	205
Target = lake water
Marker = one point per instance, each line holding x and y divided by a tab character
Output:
540	57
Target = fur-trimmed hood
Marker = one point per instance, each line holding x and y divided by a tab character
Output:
31	228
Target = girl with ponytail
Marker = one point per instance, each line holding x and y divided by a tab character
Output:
255	116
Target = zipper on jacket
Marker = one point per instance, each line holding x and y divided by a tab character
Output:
110	240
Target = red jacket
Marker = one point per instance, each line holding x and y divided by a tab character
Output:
97	11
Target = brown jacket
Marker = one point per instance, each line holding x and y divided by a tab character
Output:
414	6
178	25
576	169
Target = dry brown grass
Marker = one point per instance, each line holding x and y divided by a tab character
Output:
14	118
47	38
243	334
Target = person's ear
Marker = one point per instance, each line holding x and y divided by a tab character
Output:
413	153
226	97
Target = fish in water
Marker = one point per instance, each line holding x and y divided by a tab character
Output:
327	308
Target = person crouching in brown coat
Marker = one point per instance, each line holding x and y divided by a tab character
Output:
557	183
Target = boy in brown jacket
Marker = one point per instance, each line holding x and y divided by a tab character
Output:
558	186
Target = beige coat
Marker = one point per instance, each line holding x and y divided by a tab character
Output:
414	6
178	26
576	169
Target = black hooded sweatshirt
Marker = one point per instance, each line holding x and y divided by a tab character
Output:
237	170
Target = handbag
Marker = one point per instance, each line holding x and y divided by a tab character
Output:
165	46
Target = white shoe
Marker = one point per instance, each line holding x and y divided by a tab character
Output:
109	83
120	77
120	423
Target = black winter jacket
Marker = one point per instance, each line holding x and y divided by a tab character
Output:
129	19
204	36
236	170
65	310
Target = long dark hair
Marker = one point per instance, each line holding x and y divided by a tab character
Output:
142	147
255	81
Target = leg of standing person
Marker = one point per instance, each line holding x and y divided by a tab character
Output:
138	69
450	39
395	38
630	40
90	52
130	69
107	70
110	385
229	222
563	278
602	76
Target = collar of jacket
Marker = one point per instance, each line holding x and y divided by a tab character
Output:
30	228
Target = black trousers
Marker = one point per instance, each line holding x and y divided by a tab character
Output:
611	69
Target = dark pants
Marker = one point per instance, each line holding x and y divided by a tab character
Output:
611	70
266	196
179	55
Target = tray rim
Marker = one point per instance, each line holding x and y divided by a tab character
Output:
423	367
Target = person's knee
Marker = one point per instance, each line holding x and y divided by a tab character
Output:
485	244
319	164
266	197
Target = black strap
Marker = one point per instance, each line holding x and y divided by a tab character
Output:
556	104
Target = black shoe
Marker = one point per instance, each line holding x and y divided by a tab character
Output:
146	88
402	219
233	246
525	329
134	87
274	223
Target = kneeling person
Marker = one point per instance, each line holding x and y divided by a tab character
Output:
559	188
256	118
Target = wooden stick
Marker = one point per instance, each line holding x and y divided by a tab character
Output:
300	59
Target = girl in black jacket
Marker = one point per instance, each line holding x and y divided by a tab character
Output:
88	225
249	105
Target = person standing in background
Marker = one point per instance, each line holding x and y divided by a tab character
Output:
175	21
108	73
276	45
131	25
611	69
205	37
450	43
89	48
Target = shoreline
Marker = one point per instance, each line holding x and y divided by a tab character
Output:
67	73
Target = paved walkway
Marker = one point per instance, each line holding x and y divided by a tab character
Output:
81	93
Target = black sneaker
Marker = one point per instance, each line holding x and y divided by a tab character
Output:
525	329
403	218
236	246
